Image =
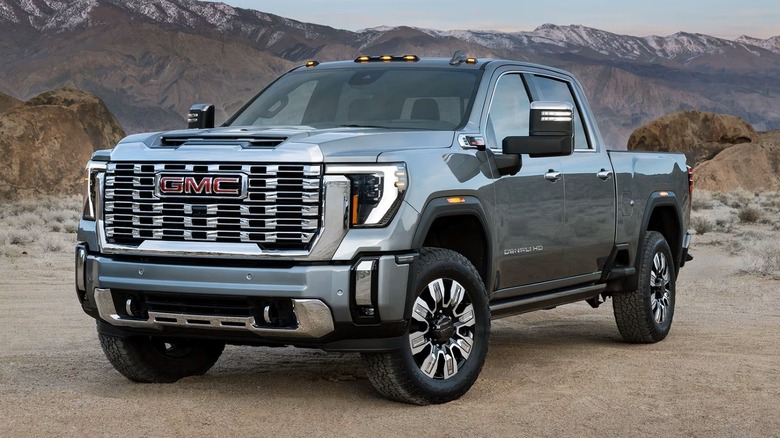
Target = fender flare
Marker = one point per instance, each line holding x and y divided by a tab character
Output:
656	200
438	208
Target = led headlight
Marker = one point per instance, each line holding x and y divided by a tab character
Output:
91	189
376	192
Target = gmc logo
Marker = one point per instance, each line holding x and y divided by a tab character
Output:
223	186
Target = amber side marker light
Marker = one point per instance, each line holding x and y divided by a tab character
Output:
312	64
471	60
355	205
456	200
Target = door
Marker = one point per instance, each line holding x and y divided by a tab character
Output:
589	185
529	204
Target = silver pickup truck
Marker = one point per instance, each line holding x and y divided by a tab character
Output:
389	205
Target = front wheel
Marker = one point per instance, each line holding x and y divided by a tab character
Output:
148	359
447	339
645	315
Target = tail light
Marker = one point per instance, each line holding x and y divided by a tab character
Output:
690	187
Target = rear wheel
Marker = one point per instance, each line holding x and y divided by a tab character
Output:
148	359
645	315
446	343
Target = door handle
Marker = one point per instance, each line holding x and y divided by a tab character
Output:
604	174
552	175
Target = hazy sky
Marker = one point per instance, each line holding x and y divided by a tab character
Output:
726	19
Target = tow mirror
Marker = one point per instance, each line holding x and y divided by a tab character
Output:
201	116
551	132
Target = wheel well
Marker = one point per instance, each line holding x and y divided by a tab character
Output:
665	221
462	234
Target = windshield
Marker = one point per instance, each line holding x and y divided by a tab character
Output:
384	97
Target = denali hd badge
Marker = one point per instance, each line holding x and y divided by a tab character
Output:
213	186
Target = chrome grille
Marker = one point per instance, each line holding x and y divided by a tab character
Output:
281	209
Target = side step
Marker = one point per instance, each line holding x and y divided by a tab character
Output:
524	304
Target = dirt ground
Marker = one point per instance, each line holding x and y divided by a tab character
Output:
563	372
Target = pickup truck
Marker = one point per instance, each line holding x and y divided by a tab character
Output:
389	205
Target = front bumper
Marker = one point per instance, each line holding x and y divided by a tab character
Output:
324	300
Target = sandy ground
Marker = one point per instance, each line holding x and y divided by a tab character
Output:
563	372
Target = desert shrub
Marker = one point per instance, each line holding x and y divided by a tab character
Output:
749	214
17	237
70	227
724	225
701	204
720	197
51	245
701	225
25	221
763	257
56	227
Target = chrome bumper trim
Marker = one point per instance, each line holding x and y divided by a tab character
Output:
314	319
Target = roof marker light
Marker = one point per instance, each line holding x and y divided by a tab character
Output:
312	64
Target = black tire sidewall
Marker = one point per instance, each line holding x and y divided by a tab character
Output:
452	268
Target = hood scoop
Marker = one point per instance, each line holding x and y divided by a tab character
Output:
245	141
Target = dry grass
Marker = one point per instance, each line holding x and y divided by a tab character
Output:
38	227
746	223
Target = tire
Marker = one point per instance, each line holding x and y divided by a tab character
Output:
147	359
645	315
446	342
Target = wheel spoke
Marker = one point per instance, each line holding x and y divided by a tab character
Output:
431	363
418	341
450	365
421	311
436	291
466	318
465	344
456	295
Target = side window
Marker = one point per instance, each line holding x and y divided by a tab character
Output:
559	91
509	110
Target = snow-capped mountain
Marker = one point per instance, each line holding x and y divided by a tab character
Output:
149	60
58	16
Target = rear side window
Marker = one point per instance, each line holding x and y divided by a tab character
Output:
559	91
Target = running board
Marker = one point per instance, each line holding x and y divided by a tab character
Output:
524	304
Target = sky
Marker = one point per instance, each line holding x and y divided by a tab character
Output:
720	18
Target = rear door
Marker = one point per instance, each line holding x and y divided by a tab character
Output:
529	204
589	184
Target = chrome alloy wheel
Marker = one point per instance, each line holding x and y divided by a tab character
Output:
442	333
660	288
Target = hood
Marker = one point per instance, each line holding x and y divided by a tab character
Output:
293	144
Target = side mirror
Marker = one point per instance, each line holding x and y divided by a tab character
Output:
201	116
552	132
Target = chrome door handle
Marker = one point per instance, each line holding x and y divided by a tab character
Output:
552	175
604	174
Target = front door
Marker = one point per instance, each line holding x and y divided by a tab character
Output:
529	204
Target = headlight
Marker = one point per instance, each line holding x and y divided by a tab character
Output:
376	192
91	189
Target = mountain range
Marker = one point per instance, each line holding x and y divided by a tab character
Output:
149	60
